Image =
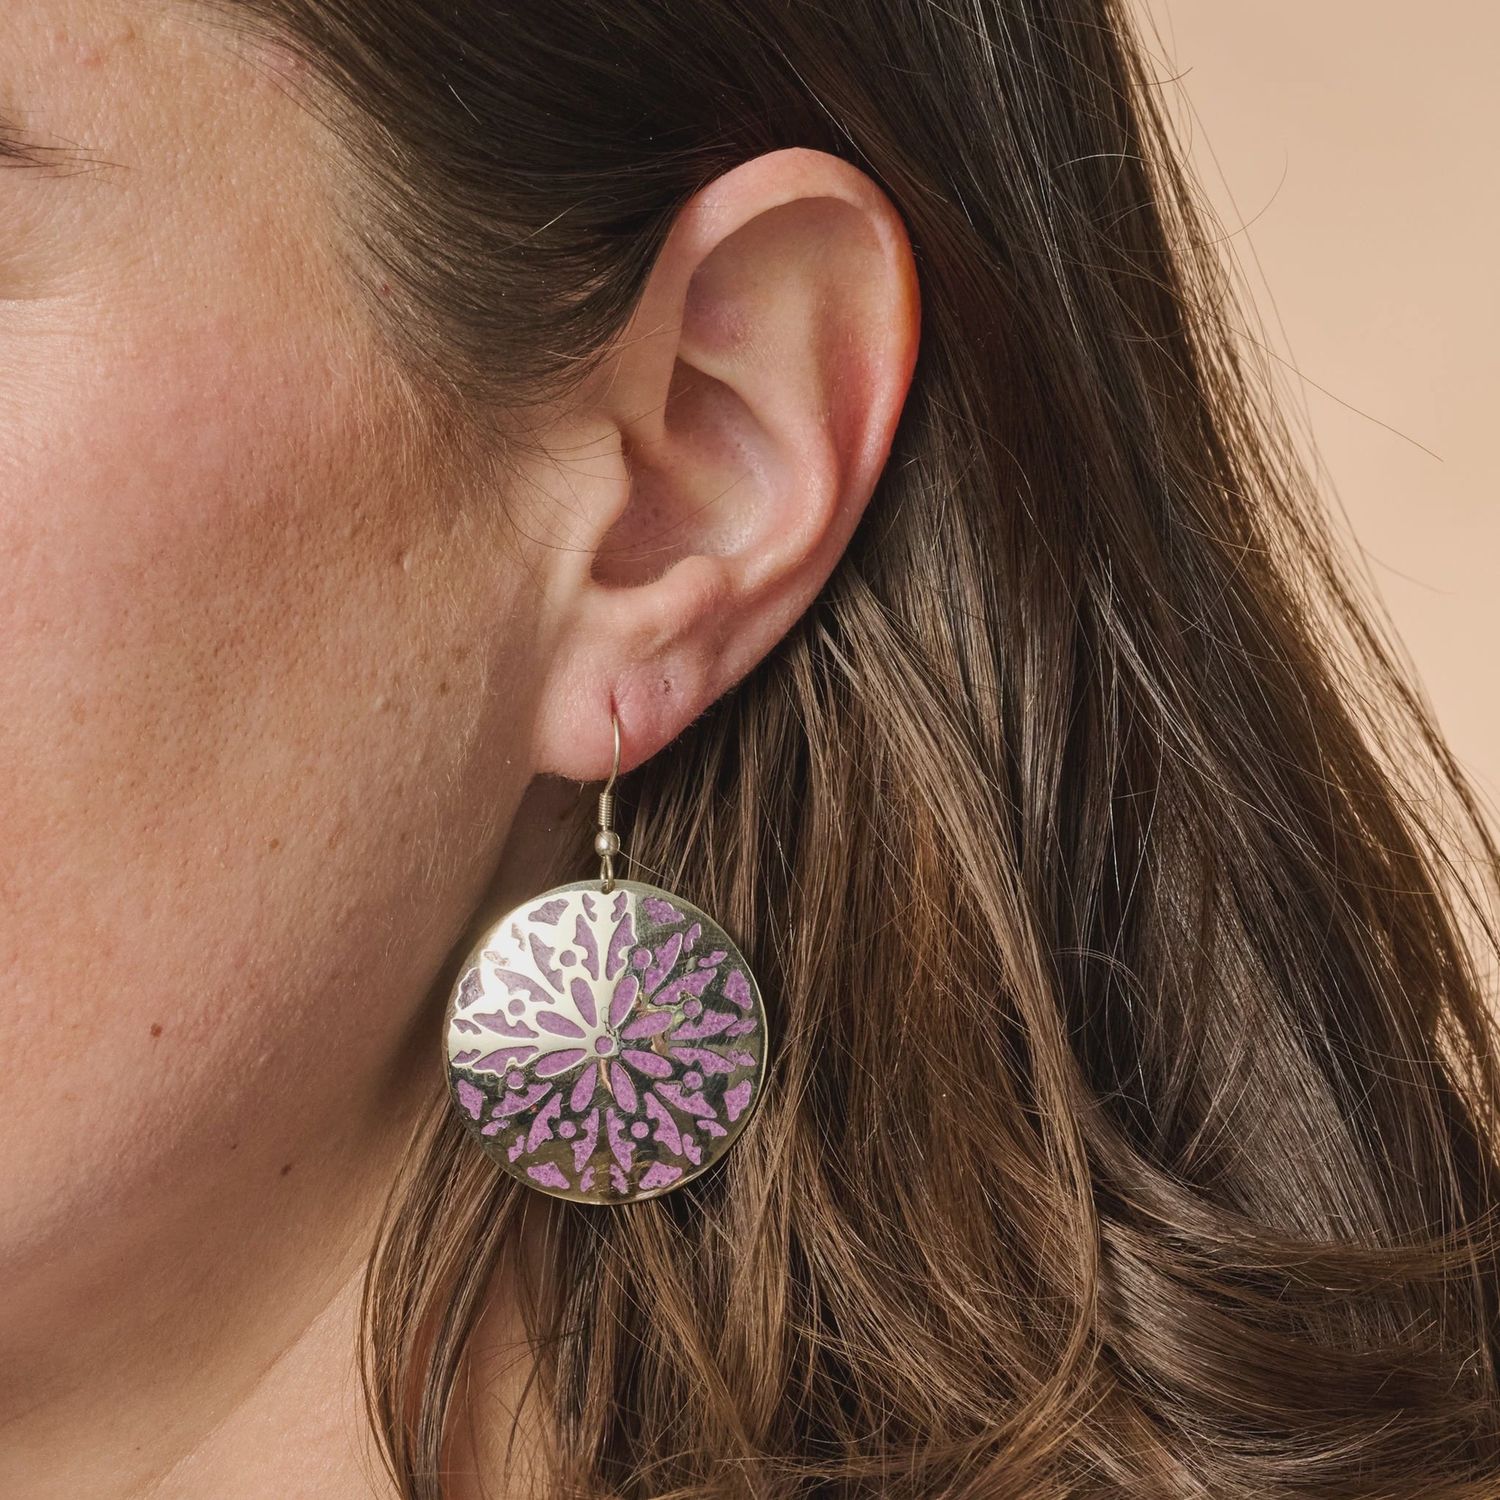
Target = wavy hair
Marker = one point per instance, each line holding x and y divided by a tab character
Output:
1124	921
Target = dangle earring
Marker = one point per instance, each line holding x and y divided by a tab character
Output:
606	1040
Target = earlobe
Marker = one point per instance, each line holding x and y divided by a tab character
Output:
755	395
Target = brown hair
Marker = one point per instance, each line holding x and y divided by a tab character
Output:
1130	1126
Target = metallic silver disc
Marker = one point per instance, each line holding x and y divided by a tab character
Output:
606	1046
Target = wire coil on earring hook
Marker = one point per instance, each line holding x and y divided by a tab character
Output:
607	840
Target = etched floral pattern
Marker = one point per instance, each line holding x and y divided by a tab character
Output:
606	1045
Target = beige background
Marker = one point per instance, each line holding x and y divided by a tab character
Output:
1349	148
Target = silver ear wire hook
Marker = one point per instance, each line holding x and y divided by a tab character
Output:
607	841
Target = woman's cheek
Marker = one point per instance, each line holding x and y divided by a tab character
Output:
211	777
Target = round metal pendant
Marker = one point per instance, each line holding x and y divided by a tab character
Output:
606	1046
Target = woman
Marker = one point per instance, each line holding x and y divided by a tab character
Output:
842	404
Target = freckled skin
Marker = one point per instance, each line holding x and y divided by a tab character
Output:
275	671
243	720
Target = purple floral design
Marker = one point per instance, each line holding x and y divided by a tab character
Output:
606	1045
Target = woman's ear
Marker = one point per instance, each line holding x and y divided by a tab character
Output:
708	479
